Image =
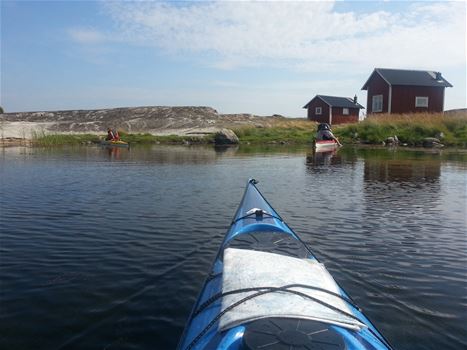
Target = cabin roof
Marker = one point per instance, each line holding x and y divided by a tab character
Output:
410	77
336	101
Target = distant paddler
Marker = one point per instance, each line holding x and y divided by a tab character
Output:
112	135
113	139
324	133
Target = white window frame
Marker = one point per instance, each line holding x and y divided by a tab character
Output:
318	110
345	111
421	101
377	103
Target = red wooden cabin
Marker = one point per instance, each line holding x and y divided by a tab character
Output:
333	109
405	91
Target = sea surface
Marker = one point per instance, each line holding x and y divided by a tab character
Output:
108	248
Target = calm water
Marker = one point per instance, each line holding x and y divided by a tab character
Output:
108	249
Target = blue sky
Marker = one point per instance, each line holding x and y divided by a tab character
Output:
237	57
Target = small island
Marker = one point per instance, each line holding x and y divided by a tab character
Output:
204	125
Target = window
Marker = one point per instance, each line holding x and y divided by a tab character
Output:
345	111
421	101
377	103
318	110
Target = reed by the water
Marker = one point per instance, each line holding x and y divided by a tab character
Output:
164	139
302	132
412	129
44	139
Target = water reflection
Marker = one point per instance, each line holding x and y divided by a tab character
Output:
114	152
404	210
404	182
199	154
226	150
320	161
157	154
322	158
401	169
109	248
173	154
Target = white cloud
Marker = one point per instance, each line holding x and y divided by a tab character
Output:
87	35
333	51
308	36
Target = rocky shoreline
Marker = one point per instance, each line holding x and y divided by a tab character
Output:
154	120
193	125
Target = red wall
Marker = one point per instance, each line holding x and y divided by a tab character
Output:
403	99
377	86
339	118
322	118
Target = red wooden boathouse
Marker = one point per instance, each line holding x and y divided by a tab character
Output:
333	109
405	91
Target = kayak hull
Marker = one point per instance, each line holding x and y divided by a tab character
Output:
325	145
256	226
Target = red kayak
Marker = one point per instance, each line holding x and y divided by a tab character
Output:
325	145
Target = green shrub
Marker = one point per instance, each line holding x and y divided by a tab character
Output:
167	139
275	134
409	128
46	140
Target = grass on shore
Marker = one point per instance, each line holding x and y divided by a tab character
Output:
411	129
297	131
165	139
274	134
48	140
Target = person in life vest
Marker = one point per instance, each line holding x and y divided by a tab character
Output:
110	135
324	133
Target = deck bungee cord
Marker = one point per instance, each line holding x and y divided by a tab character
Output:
277	289
264	275
265	290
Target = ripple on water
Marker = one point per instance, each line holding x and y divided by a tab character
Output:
108	252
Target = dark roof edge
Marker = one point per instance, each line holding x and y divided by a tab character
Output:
317	96
322	97
376	70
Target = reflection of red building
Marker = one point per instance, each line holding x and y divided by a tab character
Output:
333	109
114	153
323	158
405	91
400	188
402	170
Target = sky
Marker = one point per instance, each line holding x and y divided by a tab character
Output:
264	58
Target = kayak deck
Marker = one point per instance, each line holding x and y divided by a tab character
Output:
258	233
